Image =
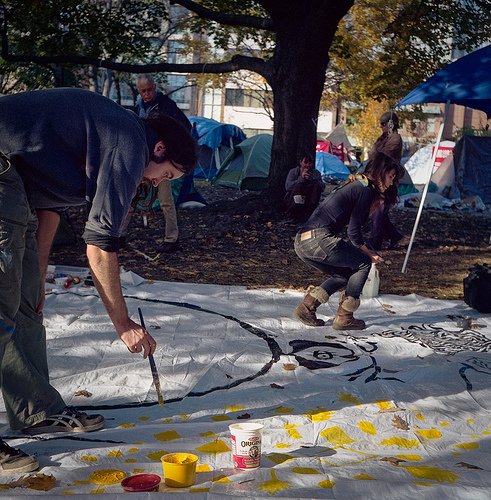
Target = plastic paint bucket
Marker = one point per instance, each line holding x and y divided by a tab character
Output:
179	469
141	483
246	444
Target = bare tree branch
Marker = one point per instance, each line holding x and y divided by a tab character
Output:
262	23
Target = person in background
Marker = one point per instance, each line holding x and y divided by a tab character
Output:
152	100
304	188
61	148
346	264
389	143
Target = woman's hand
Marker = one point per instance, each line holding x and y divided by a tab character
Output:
374	256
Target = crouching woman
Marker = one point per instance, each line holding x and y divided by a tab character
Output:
347	264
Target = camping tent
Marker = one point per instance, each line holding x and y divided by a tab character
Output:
465	82
247	166
215	141
417	165
338	135
330	165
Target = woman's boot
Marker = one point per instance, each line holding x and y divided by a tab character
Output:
305	312
344	318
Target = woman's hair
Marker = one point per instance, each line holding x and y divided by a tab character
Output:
180	145
378	166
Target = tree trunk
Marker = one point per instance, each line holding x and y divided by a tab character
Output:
304	33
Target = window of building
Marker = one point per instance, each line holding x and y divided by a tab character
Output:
245	98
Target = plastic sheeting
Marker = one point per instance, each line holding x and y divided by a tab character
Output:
399	410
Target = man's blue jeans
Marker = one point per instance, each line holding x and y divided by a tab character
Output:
29	398
346	265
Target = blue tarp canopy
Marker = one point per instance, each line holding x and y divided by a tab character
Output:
330	165
214	136
466	81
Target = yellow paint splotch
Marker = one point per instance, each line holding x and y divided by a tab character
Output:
208	434
274	484
336	435
443	424
220	418
156	456
348	397
305	470
367	427
470	420
133	450
319	414
292	432
138	471
203	468
234	408
282	445
486	432
433	473
283	410
280	458
131	460
419	416
221	479
326	484
384	405
184	416
214	448
167	420
467	446
126	425
81	482
429	433
88	458
115	454
400	442
364	477
413	458
199	490
107	476
422	483
144	418
99	491
167	436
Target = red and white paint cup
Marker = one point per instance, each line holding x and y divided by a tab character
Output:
246	444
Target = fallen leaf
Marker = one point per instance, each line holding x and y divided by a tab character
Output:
289	367
39	482
276	386
469	466
244	416
392	460
390	410
155	327
84	393
399	423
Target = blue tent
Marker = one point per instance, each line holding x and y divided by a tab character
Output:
216	140
330	165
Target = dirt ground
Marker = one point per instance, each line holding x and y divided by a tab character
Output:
237	240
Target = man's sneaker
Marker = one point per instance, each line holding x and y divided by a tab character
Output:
68	420
169	246
14	461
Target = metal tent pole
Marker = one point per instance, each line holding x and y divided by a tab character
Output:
427	185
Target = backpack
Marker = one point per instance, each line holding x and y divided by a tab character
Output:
477	288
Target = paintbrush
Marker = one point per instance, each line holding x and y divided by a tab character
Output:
155	373
376	253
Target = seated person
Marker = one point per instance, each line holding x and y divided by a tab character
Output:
304	188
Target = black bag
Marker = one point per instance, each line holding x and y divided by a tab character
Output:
477	288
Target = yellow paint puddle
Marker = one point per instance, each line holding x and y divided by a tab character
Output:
184	416
89	459
364	477
220	418
221	479
167	420
107	476
274	484
99	491
384	405
486	432
336	435
326	484
214	448
292	432
203	468
304	470
400	442
470	420
412	458
208	434
81	482
429	433
443	424
433	473
133	450
126	425
144	418
156	456
234	408
348	397
115	454
367	427
319	414
138	471
280	458
282	445
283	410
131	460
167	436
419	416
467	446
